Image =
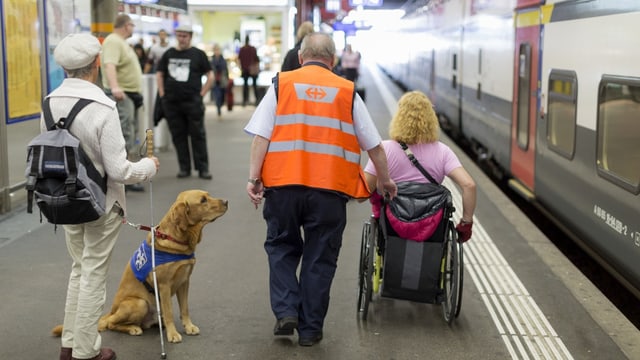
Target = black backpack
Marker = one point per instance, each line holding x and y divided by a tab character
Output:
61	178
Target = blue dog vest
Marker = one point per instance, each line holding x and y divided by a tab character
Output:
141	260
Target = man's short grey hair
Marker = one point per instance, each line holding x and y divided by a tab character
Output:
121	21
82	72
318	45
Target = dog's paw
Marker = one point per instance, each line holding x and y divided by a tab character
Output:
191	329
174	337
135	330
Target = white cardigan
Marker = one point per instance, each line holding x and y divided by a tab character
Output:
98	128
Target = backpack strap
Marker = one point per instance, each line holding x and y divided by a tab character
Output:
33	176
48	118
65	123
415	162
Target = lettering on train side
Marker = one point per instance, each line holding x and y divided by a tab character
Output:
615	223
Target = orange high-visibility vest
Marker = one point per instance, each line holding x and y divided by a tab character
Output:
313	141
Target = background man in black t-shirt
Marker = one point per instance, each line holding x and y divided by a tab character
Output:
180	88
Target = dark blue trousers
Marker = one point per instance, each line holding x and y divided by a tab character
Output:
304	227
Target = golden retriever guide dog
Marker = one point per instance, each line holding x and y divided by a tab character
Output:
177	235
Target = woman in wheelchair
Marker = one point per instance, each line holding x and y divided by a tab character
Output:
416	125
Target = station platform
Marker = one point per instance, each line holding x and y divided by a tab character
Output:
522	298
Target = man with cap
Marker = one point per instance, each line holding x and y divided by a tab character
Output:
122	80
179	76
90	244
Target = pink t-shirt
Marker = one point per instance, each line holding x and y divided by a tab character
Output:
437	158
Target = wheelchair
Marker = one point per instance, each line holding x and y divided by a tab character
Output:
427	272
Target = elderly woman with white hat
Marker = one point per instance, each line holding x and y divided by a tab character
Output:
90	244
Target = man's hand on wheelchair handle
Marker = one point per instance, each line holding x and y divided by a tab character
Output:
464	230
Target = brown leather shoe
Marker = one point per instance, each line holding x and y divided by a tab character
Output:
105	354
65	353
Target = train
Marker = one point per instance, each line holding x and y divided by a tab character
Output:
547	94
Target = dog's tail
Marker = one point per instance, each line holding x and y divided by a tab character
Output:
57	331
102	325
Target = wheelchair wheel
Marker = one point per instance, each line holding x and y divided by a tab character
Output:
452	275
461	274
367	252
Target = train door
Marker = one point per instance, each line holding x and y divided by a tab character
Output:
525	95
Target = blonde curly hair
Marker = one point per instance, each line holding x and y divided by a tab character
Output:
416	121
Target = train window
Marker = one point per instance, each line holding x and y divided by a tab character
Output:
524	92
618	131
561	113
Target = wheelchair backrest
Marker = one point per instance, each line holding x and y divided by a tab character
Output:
418	210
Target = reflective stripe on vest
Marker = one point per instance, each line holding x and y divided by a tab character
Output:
313	141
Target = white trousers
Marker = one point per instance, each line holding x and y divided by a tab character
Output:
90	246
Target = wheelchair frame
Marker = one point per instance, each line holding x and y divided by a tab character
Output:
450	272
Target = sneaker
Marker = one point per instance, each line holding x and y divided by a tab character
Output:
285	326
310	340
205	175
183	174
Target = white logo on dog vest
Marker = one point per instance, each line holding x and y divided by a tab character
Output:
140	258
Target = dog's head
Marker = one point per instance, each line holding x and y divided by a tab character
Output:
192	210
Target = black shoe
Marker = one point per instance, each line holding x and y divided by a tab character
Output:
285	326
310	340
134	187
205	175
183	174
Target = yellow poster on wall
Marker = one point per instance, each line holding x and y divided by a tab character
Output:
22	51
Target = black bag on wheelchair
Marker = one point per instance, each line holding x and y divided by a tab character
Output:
414	226
416	211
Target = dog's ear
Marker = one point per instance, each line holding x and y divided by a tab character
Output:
179	217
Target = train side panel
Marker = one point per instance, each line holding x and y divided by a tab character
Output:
447	21
487	80
582	46
585	101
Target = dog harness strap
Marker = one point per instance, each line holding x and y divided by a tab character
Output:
158	233
148	286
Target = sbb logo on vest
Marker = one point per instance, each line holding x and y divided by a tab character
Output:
310	92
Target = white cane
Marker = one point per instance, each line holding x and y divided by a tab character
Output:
163	354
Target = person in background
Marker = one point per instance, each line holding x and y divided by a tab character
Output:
416	124
153	57
221	77
248	56
350	63
307	170
179	76
141	54
155	52
122	81
291	61
90	244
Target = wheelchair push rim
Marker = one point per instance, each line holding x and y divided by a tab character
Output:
452	275
366	270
